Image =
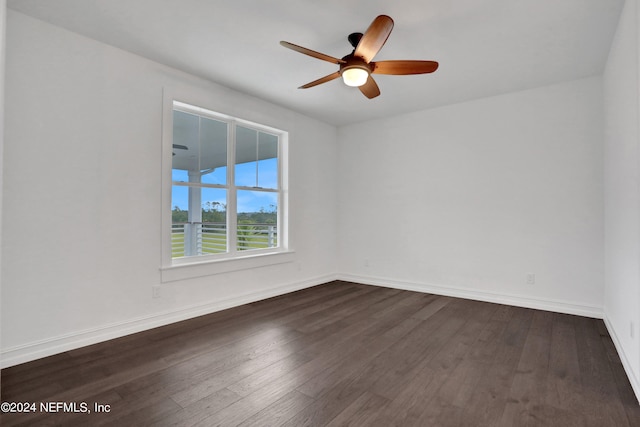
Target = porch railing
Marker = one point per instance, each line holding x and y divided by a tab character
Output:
192	239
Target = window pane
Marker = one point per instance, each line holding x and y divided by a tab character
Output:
256	159
246	157
213	151
267	161
179	219
199	221
257	220
186	146
199	149
178	175
214	221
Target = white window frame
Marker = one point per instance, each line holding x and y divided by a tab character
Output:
196	266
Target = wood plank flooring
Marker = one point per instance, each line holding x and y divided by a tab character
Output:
341	354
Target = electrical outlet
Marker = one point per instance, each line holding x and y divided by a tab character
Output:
631	330
530	278
366	263
155	291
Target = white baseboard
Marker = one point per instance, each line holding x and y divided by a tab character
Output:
633	379
36	350
515	300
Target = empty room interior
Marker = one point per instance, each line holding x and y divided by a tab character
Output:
189	238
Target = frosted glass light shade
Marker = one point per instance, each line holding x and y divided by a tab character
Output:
355	76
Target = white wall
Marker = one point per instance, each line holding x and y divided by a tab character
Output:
622	192
466	199
3	16
82	196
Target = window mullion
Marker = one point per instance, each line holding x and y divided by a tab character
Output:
232	196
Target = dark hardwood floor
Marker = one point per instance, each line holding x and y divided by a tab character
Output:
340	354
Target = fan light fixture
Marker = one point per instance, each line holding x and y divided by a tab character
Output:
355	76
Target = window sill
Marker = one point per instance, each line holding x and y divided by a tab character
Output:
208	268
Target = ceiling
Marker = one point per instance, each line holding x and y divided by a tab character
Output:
484	47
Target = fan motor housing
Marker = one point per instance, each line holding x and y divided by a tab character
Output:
354	39
355	62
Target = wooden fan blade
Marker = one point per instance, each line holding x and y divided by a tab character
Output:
374	38
370	89
404	67
321	80
312	53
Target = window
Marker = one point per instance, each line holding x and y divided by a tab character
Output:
227	197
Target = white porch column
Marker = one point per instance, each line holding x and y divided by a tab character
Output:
193	230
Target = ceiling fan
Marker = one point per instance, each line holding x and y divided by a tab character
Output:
357	67
179	147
